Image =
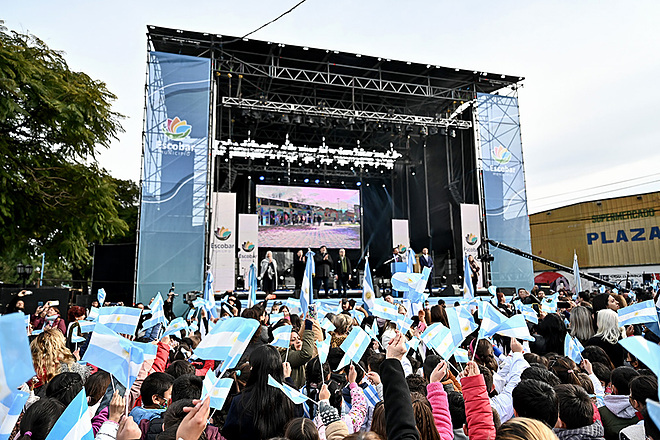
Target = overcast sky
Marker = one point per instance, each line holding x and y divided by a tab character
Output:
589	106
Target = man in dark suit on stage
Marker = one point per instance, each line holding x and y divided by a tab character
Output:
323	262
425	260
342	273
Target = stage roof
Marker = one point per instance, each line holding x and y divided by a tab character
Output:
311	59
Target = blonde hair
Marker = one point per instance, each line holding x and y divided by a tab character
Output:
343	324
608	326
522	428
49	352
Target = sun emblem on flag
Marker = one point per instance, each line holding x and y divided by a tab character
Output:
637	313
118	318
367	294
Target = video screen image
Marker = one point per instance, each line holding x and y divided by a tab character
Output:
302	217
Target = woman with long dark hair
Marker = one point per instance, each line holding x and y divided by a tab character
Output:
260	411
551	334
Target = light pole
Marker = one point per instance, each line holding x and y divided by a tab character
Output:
24	271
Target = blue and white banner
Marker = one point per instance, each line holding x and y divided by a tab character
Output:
223	241
174	175
248	242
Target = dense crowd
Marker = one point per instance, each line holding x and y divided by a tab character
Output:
506	389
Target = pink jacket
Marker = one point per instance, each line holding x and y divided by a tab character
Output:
441	416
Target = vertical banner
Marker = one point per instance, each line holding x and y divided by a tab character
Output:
400	235
471	234
504	188
171	239
248	244
223	241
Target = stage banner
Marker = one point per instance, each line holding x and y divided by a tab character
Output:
471	234
248	244
504	188
223	241
400	235
171	237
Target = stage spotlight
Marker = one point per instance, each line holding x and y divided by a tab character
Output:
306	180
367	184
413	171
409	129
317	181
397	129
249	177
297	120
383	185
261	177
423	131
433	131
284	119
359	183
443	131
342	182
310	120
452	133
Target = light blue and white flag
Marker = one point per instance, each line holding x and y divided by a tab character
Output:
11	408
93	314
371	394
327	325
296	396
368	293
323	347
461	323
157	313
371	331
293	305
175	327
324	307
217	389
549	303
358	316
149	350
417	288
275	317
576	274
354	346
209	295
602	289
646	351
529	313
573	348
15	357
100	296
75	422
227	341
468	288
653	409
514	327
490	320
252	286
461	355
413	343
282	336
439	338
403	324
115	354
120	319
639	313
307	287
86	326
77	339
385	310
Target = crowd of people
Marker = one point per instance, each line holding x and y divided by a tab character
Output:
506	390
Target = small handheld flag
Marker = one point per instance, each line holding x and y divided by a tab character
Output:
573	348
15	357
323	347
468	287
100	296
157	313
175	327
639	313
120	319
282	336
327	325
296	396
11	408
217	389
354	346
307	288
368	294
75	422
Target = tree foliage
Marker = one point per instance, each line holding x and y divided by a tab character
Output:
54	197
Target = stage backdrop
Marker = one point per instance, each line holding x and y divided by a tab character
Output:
248	244
223	241
471	233
400	236
174	176
504	188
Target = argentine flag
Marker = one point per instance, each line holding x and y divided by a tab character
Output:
354	346
15	357
490	319
252	286
528	313
217	389
296	396
93	314
327	325
175	327
157	313
549	303
439	338
227	341
468	288
371	394
461	323
368	294
294	306
646	351
86	326
413	343
403	324
10	409
385	310
639	313
75	422
100	296
282	336
514	327
573	348
576	275
120	319
461	355
307	287
209	295
115	354
323	347
149	350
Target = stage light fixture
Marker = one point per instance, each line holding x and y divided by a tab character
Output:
443	131
383	185
317	181
297	120
284	119
423	131
359	183
249	177
409	129
452	133
261	177
433	131
306	180
413	171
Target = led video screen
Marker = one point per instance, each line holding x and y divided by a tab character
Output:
302	217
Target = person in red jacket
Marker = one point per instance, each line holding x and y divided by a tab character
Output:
478	413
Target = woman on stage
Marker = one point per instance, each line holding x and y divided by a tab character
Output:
268	274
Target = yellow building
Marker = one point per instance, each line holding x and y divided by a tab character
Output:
614	238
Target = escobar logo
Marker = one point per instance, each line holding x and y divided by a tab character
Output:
471	239
222	233
248	246
176	129
501	156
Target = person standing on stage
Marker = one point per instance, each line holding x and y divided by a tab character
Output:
396	256
474	270
425	260
323	262
268	274
299	262
342	273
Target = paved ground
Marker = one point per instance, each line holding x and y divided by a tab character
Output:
334	237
